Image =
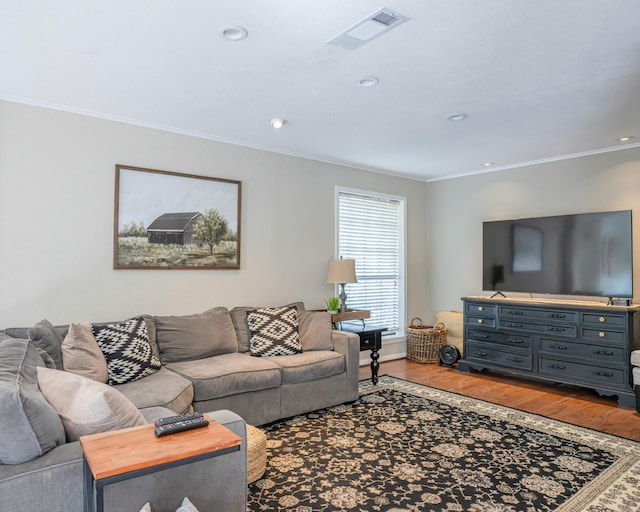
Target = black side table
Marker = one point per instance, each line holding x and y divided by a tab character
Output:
370	339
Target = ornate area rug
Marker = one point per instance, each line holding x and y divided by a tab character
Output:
406	447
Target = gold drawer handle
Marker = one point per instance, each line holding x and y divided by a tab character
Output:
602	319
479	320
480	308
601	334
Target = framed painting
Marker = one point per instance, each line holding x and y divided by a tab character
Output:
168	220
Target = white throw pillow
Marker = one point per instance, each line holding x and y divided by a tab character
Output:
86	406
186	506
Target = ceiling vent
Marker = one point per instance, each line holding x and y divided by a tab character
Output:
367	29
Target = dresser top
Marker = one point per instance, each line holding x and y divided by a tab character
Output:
524	301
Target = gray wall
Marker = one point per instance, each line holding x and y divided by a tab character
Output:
457	208
56	222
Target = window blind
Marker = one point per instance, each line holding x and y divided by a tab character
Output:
370	231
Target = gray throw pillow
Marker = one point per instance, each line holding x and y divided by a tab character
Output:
45	336
239	317
30	426
191	337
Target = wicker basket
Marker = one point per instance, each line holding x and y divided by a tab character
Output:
425	341
256	453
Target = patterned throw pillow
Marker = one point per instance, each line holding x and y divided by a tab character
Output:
274	332
127	350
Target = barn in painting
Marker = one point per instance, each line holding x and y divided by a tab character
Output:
173	228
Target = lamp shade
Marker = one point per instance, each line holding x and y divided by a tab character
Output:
342	271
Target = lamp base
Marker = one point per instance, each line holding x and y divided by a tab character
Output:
343	299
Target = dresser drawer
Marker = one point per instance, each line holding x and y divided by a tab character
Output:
595	353
511	312
568	331
474	320
480	309
512	340
488	354
605	320
567	371
604	335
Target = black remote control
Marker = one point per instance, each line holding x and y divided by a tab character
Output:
179	417
180	426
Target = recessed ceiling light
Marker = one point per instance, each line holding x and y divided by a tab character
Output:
458	117
368	81
488	164
626	138
234	33
277	123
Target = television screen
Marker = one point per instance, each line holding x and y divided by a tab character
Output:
582	254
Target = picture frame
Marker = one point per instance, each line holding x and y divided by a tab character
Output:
174	221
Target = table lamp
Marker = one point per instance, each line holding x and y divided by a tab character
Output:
341	272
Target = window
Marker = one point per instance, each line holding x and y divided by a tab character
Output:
371	229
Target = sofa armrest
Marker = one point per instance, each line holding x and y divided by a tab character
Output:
348	344
55	479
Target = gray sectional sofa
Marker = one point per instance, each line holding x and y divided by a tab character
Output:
204	362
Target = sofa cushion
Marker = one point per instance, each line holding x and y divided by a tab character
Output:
30	426
274	332
81	353
636	376
184	338
239	317
635	358
126	347
86	406
308	366
315	330
163	388
228	374
45	336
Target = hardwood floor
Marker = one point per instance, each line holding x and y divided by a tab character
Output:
565	403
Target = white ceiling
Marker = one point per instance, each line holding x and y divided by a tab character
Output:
539	80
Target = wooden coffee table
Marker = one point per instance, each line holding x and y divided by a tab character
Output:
112	457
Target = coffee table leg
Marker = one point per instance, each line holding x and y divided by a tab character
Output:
374	365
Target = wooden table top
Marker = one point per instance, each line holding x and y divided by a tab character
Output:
121	451
359	314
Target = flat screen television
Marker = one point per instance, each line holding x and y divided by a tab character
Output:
588	254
